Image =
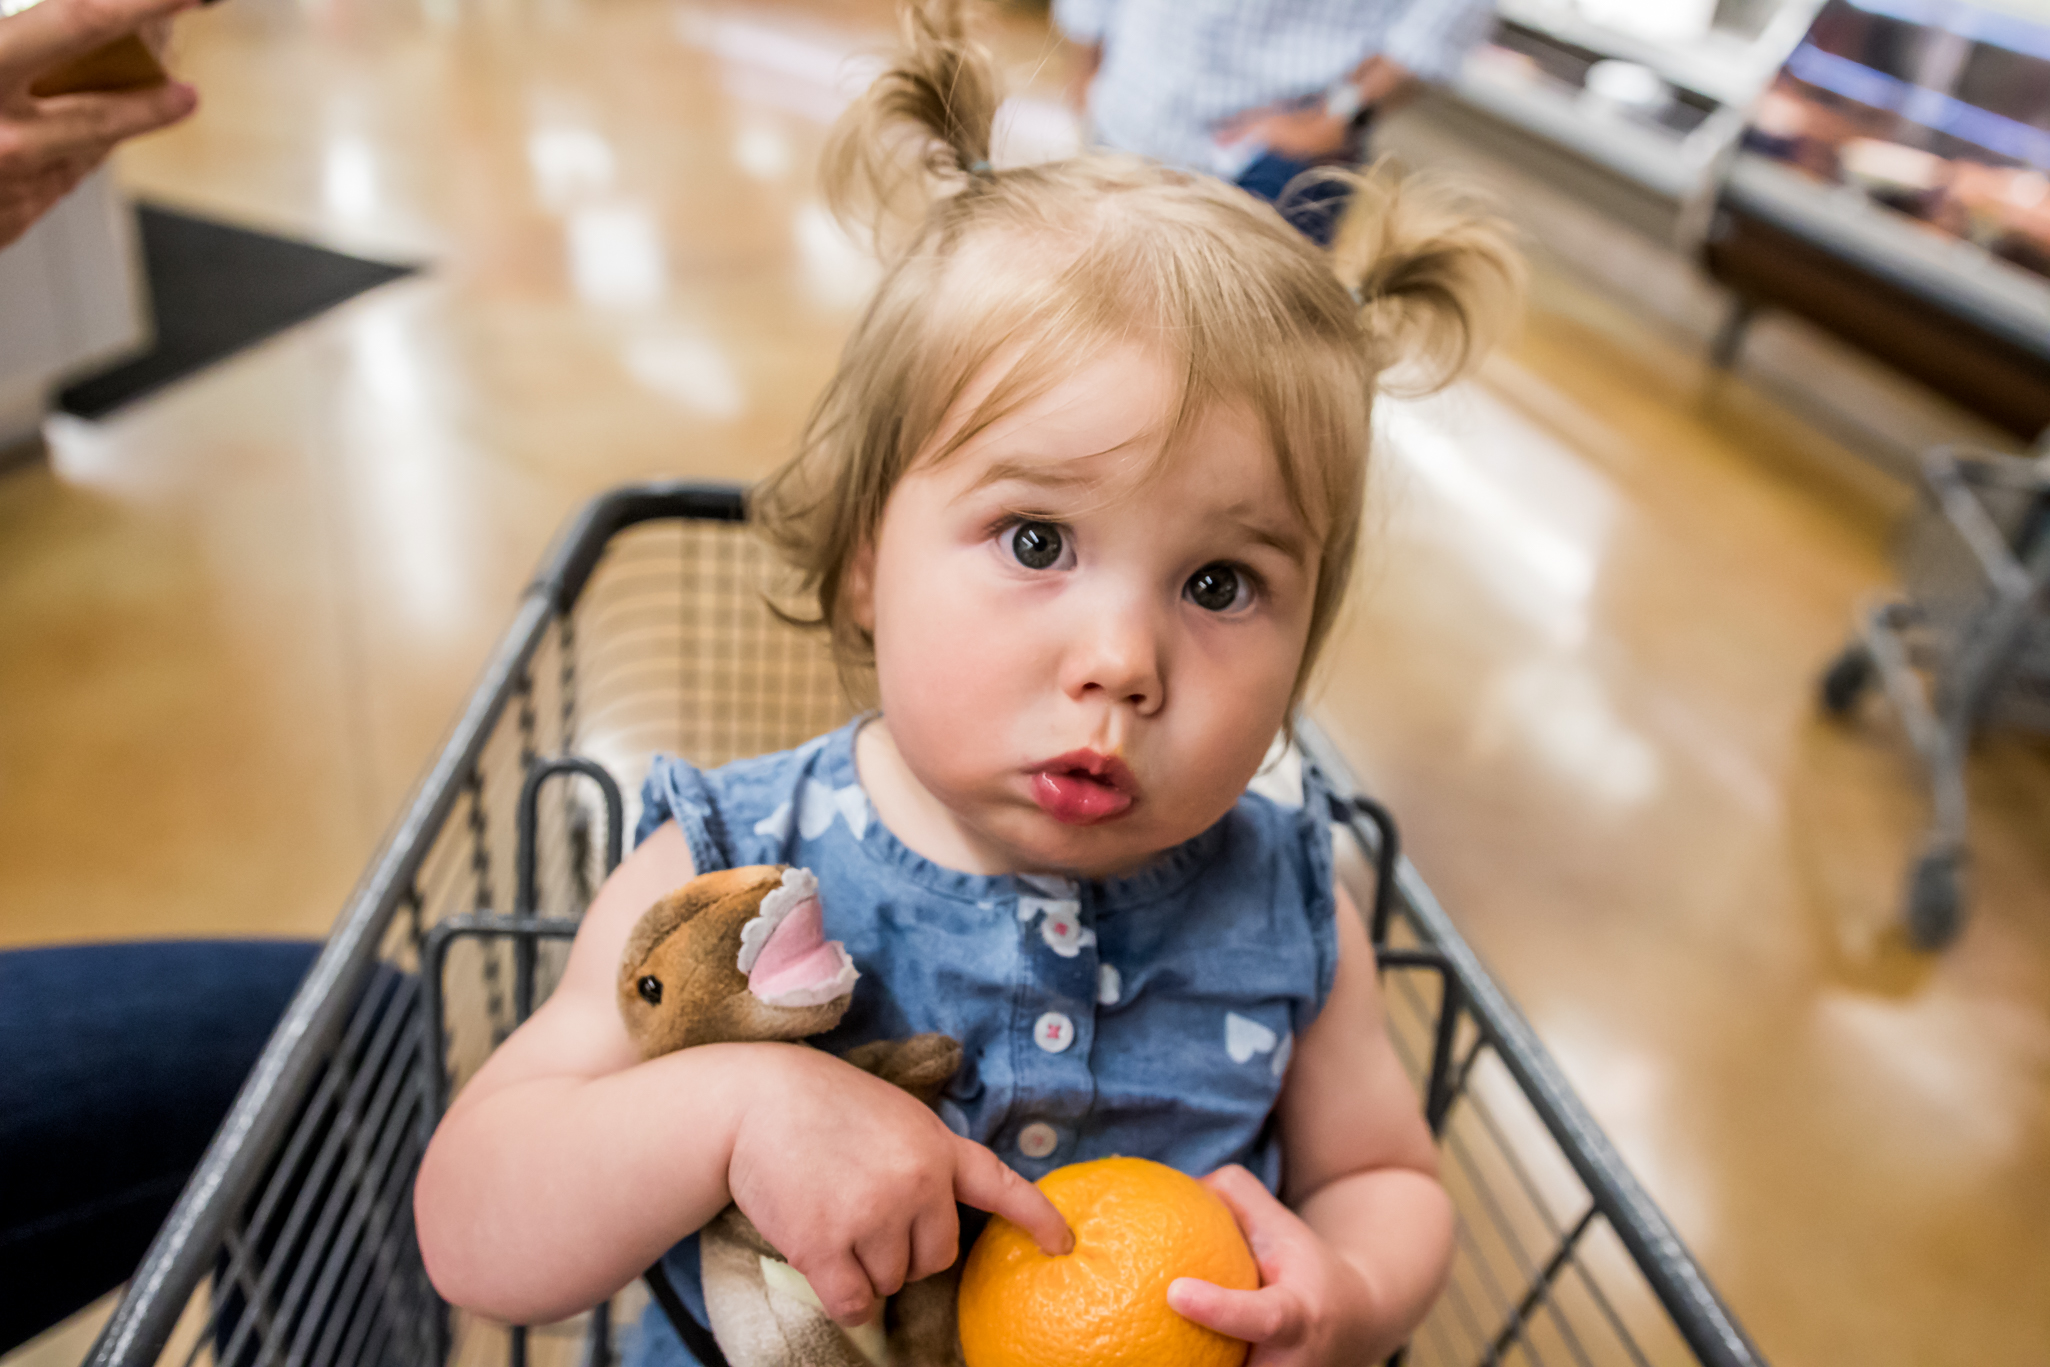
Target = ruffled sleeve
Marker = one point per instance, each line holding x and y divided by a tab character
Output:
755	811
1313	860
677	791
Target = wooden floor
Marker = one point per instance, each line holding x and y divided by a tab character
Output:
235	619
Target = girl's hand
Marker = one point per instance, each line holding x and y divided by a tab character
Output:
854	1182
1313	1307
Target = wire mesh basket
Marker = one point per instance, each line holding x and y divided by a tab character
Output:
650	629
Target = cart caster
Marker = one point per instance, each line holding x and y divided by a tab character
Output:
1845	679
1936	900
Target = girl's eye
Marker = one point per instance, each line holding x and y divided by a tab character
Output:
1037	545
1216	588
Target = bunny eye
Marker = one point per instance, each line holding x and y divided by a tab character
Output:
650	989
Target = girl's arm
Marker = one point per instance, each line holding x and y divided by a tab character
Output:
568	1165
1350	1271
563	1169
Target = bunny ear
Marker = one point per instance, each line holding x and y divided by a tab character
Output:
922	130
1436	283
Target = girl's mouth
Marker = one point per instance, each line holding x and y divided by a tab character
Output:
1083	787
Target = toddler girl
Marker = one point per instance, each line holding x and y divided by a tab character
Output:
1078	507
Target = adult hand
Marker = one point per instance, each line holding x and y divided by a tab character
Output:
1301	134
49	144
1305	132
1084	61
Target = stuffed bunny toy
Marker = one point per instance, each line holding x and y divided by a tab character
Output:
740	955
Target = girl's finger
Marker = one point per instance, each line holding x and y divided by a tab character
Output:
43	35
1272	1315
1272	1230
843	1289
885	1258
1259	1214
981	1180
1258	1211
73	125
935	1242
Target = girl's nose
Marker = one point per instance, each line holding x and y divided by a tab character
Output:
1117	658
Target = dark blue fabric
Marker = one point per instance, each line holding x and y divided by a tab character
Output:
1313	209
117	1063
653	1341
1179	989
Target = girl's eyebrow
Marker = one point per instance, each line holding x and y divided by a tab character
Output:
1285	540
1044	475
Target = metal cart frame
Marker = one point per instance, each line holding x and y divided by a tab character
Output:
293	1241
1975	620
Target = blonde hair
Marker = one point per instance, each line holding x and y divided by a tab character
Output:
1042	268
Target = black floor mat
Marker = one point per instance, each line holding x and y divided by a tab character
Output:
216	289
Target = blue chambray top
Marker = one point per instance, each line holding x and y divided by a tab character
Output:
1150	1015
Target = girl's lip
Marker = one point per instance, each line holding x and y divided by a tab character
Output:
1083	787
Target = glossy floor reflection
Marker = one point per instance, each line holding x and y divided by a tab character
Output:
238	616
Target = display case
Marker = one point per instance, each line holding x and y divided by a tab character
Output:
1629	107
1893	187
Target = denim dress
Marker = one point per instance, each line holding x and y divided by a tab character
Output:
1149	1015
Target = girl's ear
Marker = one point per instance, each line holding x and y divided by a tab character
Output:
859	592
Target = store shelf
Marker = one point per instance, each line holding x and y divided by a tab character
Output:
1956	276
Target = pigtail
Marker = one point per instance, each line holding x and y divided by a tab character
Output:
1437	283
921	131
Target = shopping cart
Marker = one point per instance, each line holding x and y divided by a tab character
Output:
1968	646
650	629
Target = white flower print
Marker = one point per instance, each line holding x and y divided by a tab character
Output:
1062	929
1065	934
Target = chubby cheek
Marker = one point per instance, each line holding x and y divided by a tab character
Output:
1232	705
952	669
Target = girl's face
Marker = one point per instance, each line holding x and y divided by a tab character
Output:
1082	650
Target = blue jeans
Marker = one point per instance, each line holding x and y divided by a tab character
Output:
1313	209
117	1064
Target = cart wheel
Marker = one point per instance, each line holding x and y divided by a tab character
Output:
1936	900
1846	679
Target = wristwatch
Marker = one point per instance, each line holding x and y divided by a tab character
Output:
1343	101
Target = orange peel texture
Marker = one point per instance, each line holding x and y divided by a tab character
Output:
1138	1225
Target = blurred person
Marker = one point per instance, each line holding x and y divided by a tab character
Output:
1259	91
117	1064
117	1061
48	143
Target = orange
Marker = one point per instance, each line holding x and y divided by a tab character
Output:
1138	1225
